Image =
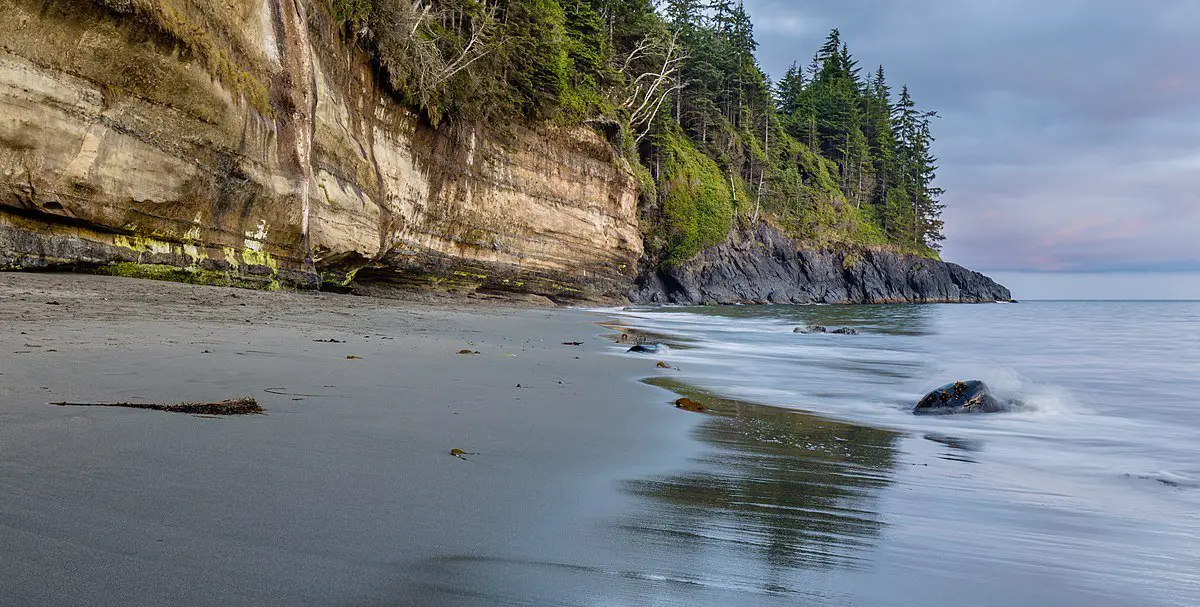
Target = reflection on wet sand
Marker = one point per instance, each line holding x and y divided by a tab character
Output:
772	501
784	487
961	449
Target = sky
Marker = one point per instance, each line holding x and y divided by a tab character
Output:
1069	130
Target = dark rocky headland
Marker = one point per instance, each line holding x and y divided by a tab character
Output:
764	266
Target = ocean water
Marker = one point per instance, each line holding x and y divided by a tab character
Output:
1089	495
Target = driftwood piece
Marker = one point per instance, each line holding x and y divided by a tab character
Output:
237	406
688	404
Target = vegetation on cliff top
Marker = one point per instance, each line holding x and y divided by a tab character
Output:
826	154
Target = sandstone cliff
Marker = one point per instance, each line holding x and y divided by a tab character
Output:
763	266
245	140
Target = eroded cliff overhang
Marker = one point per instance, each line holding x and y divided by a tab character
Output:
246	139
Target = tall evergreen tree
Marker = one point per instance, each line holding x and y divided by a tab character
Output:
916	170
881	138
927	196
789	90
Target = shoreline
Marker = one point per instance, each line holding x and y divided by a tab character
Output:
345	490
584	485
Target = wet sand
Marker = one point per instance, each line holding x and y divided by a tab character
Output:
588	487
344	492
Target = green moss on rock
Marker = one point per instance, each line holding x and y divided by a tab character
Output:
697	201
194	276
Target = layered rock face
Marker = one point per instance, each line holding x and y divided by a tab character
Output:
765	266
246	142
245	138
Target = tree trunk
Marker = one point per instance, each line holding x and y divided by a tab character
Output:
762	171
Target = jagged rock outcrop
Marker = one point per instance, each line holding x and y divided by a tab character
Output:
764	266
245	138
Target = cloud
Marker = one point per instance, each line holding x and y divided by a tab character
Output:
1069	137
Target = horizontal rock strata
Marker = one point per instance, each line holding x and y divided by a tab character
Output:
246	139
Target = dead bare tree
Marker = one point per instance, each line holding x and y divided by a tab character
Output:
645	90
762	172
413	45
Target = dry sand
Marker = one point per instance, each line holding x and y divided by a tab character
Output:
345	491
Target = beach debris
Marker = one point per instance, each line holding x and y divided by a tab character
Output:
572	343
328	341
845	331
236	406
688	404
353	357
468	352
629	338
460	454
646	349
285	392
53	303
663	365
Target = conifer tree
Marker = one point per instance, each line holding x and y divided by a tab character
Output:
881	138
916	170
789	91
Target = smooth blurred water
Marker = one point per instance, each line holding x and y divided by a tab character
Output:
1089	496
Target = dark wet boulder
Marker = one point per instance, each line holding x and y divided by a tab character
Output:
971	396
646	349
845	331
811	329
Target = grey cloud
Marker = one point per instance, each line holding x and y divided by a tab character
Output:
1070	129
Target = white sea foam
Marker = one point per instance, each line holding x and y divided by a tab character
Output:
1105	443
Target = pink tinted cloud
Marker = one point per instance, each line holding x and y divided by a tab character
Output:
1173	83
1094	231
1045	263
1047	253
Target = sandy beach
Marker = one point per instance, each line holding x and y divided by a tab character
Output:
344	492
579	483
